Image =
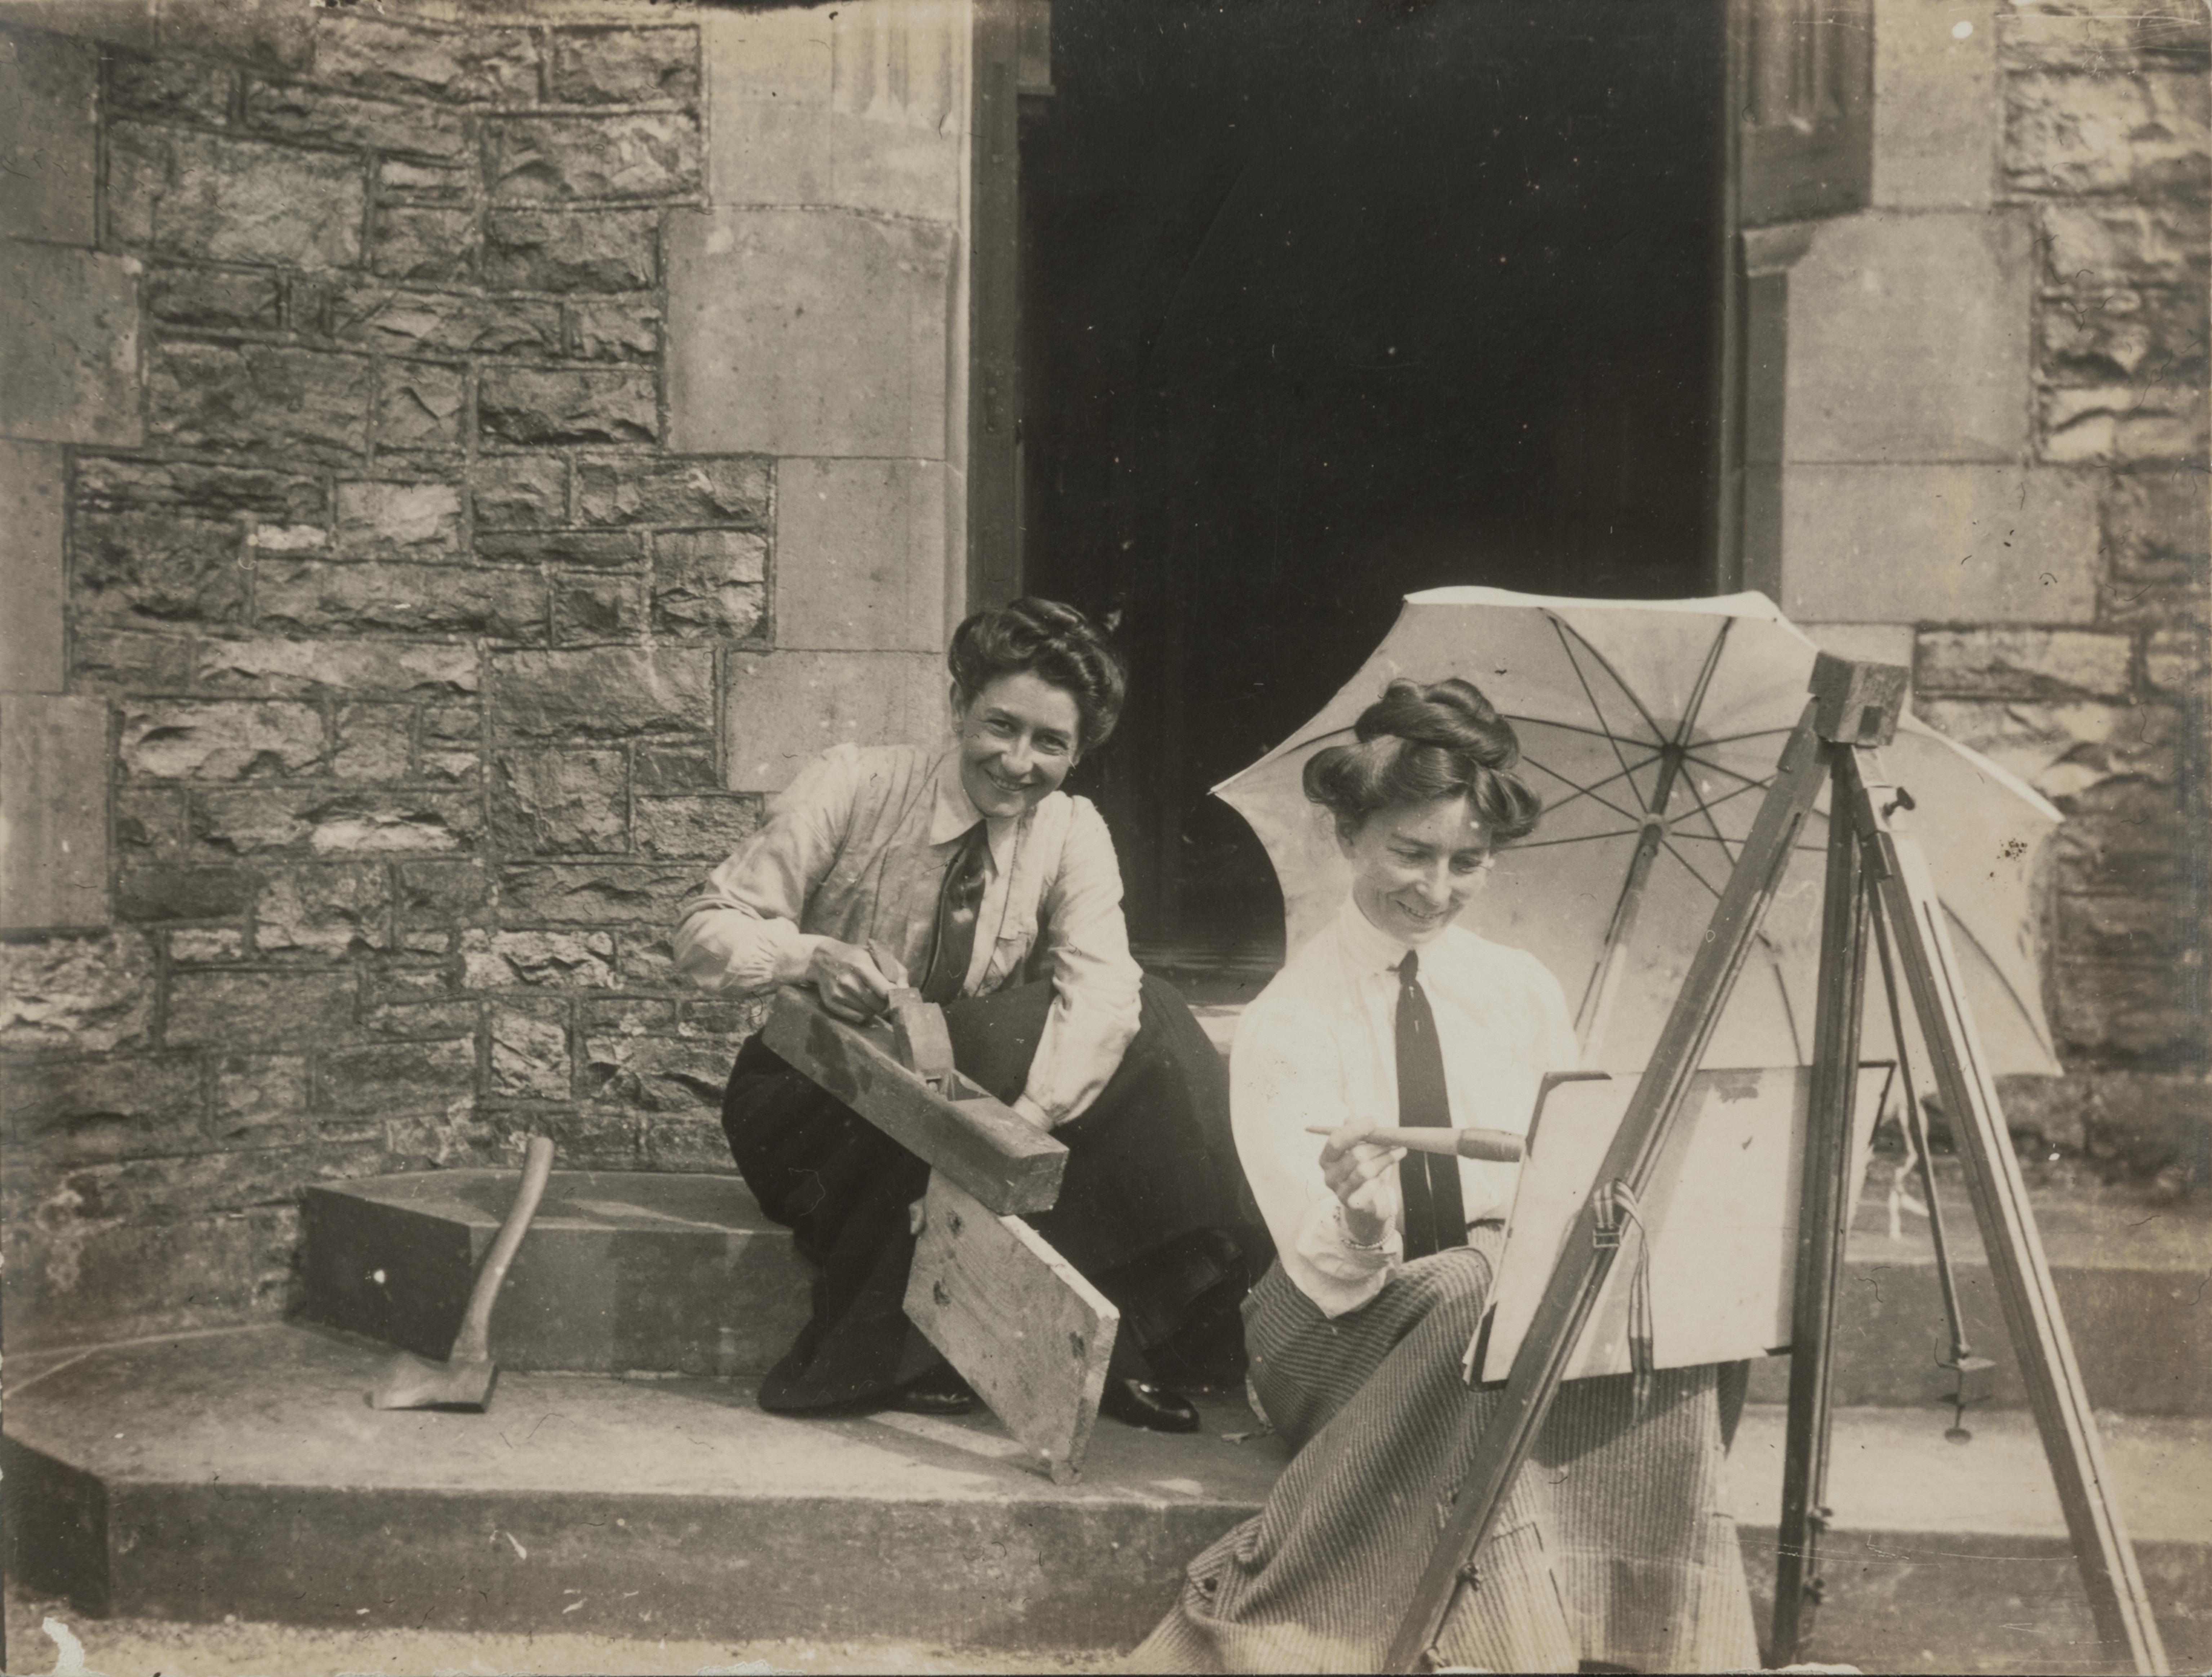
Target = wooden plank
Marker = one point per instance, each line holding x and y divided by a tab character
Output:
1027	1333
1001	1158
2018	1268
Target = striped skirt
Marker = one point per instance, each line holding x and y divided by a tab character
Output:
1615	1546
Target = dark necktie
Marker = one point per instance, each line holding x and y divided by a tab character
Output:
955	942
1435	1216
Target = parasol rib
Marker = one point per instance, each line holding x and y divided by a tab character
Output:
1598	710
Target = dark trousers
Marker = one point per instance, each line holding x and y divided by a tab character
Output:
1153	1209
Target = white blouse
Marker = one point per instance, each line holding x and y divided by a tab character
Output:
1319	1046
856	849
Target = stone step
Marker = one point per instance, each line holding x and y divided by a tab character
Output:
2131	1276
241	1473
621	1270
682	1273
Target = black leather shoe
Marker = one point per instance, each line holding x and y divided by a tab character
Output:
940	1393
1141	1403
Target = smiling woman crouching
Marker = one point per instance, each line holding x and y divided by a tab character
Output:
968	872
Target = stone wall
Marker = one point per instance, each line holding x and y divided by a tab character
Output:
1996	450
419	491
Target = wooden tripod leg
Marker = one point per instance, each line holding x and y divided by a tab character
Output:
2017	1266
1580	1274
1824	1222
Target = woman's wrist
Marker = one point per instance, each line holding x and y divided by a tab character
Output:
1363	1230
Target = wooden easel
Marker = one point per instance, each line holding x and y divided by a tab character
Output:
1874	869
1017	1320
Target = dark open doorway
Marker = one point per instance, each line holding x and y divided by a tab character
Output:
1326	303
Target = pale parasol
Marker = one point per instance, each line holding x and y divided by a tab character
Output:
1650	729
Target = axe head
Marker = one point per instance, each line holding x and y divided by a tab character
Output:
409	1381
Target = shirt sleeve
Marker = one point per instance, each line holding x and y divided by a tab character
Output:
1285	1074
739	932
1094	1014
1556	1049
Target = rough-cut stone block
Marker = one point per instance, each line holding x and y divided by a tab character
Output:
695	826
211	197
1937	104
166	892
859	554
1908	339
603	692
657	489
423	599
589	610
614	329
265	34
2066	750
2155	526
151	821
50	148
553	801
256	1093
784	708
2122	835
220	739
595	549
371	742
402	180
260	398
586	251
642	157
216	299
402	521
299	669
559	960
2143	134
440	892
72	1112
2106	243
149	566
683	766
378	1079
2175	663
324	910
594	893
709	581
807	333
1930	542
519	491
575	404
2121	424
371	56
291	112
441	323
90	995
529	1053
53	813
621	66
111	659
68	338
323	822
407	242
2109	337
205	946
2023	664
2165	33
212	491
2128	927
2111	1012
656	1074
420	405
32	579
178	89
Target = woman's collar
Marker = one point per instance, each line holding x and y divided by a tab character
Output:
952	812
1367	945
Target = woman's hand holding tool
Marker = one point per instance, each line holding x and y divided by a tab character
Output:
1364	1176
852	986
1499	1146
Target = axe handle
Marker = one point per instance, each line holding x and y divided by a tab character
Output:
473	1343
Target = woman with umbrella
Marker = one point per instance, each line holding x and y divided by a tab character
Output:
969	868
1615	1546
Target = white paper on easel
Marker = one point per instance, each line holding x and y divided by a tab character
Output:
1720	1215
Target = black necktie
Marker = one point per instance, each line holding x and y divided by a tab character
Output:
955	942
1436	1218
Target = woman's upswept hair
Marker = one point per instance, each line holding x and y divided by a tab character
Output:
1055	643
1417	743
